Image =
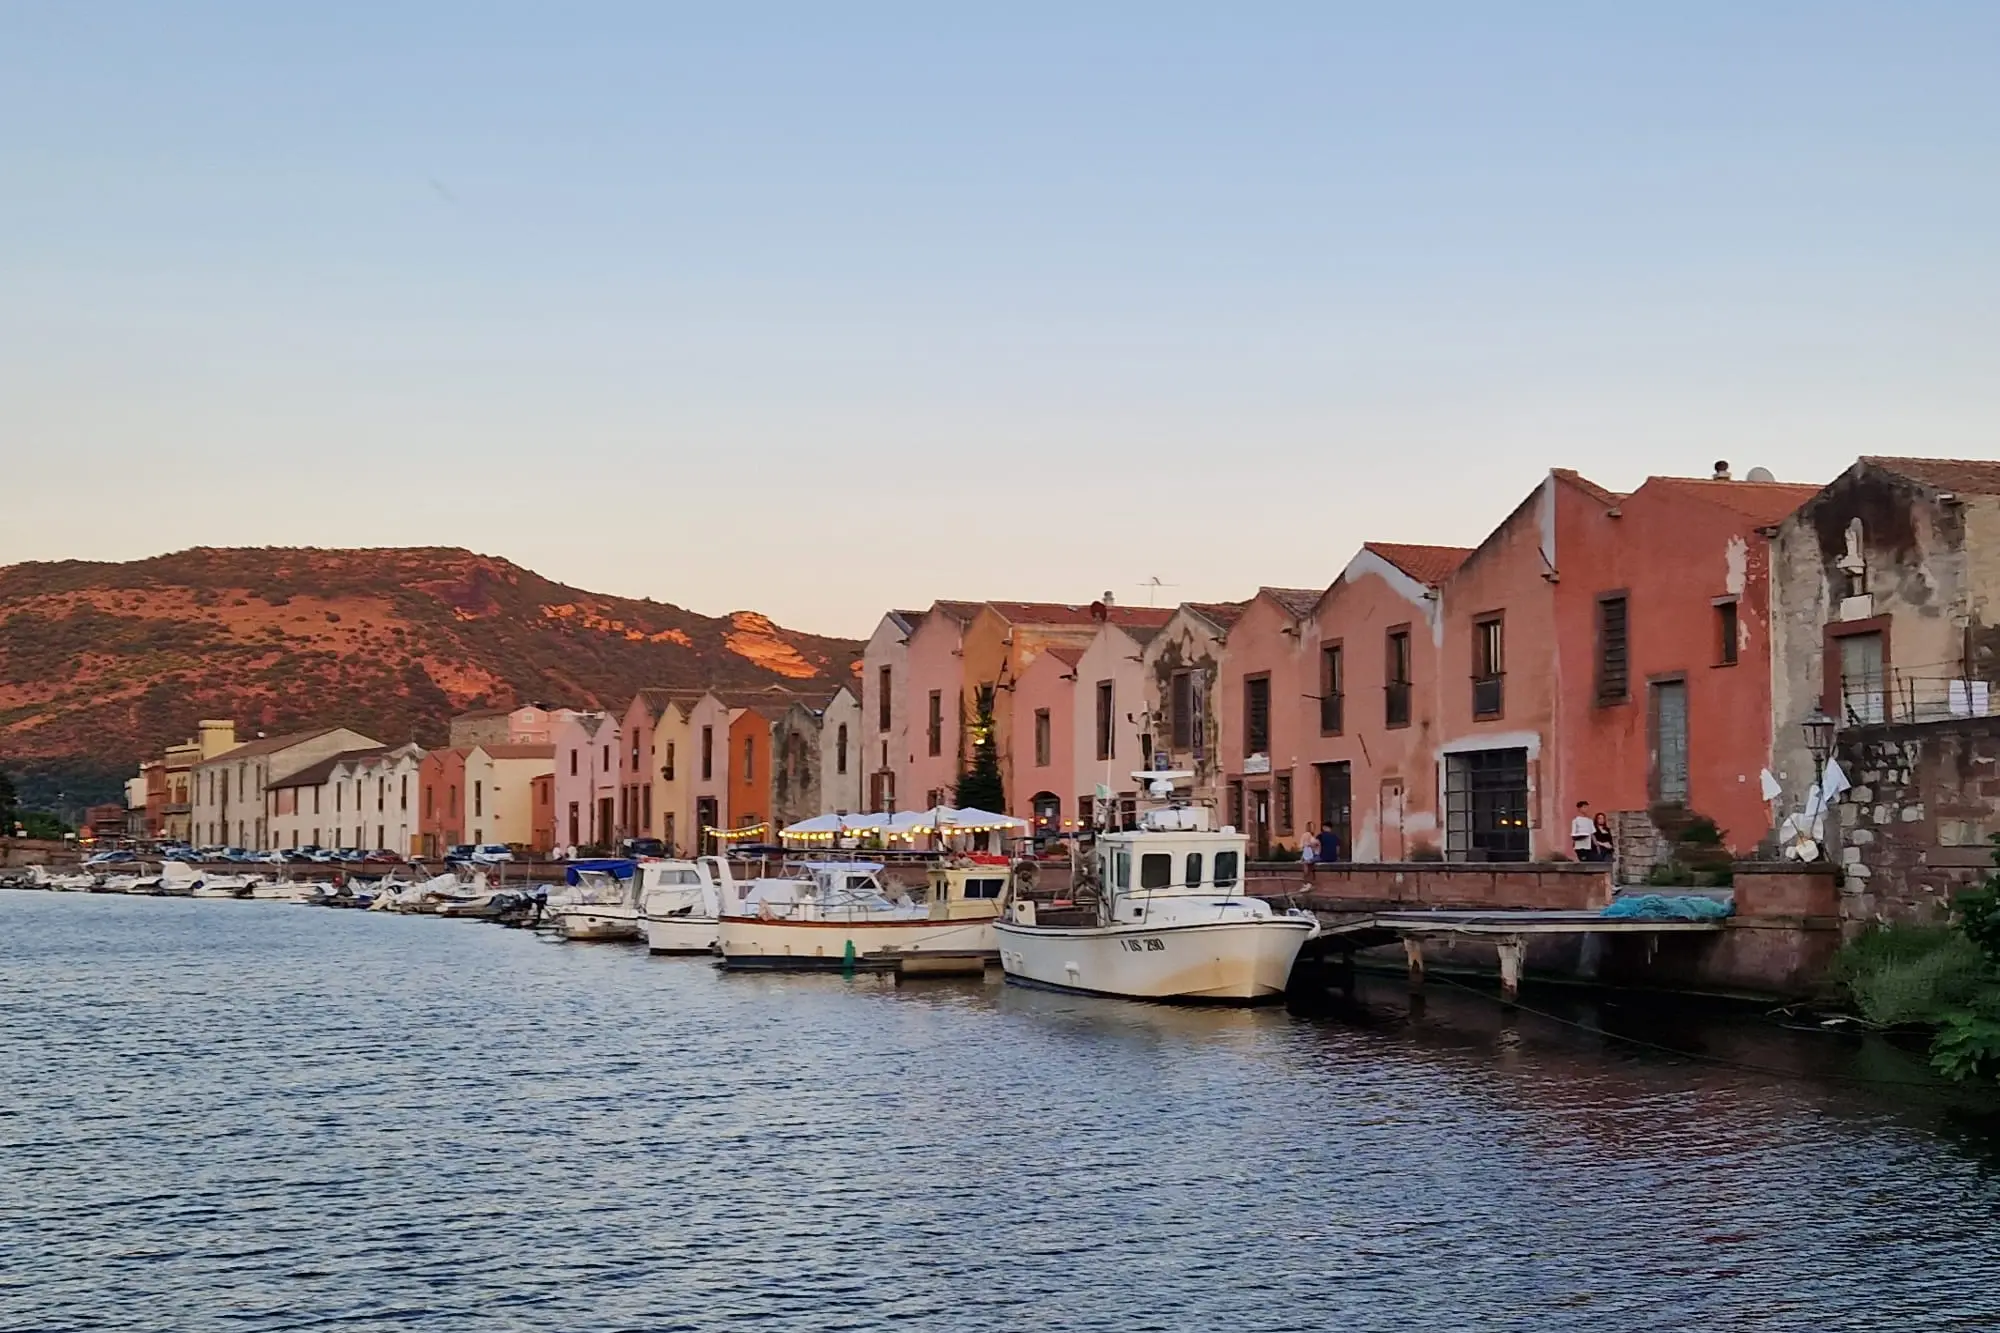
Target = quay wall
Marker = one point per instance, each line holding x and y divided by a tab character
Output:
17	852
1412	886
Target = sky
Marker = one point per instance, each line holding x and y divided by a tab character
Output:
819	309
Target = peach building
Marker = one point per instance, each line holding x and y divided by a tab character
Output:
1043	742
1259	700
884	738
650	736
1113	718
933	702
1181	665
586	778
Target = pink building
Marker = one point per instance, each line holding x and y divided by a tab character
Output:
1043	742
1259	701
933	695
586	778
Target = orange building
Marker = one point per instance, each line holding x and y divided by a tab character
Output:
749	799
441	821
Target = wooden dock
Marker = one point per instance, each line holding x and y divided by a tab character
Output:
1509	930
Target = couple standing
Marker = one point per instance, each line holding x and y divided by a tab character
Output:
1590	836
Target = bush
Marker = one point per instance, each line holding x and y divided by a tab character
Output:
1911	974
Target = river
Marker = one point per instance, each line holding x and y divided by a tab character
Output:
255	1116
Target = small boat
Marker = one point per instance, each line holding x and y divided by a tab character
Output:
1158	913
680	903
265	890
603	901
839	914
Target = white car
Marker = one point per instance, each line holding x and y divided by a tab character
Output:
491	854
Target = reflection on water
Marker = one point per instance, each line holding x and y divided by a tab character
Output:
256	1116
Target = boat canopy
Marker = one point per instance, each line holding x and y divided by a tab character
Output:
620	869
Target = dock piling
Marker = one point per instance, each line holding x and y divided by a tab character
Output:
1512	950
1413	954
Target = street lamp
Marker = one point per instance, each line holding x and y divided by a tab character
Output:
1818	728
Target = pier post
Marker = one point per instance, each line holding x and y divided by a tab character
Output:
1413	954
1512	948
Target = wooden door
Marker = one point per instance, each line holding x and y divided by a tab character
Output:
1389	822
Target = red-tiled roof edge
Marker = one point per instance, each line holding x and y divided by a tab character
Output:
1980	476
1586	485
1426	564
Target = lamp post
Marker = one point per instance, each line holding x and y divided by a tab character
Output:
1818	728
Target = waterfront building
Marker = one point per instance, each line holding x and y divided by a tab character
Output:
1043	743
367	798
499	793
651	736
934	696
523	724
441	823
1112	724
841	753
1258	693
227	791
885	696
1180	667
586	778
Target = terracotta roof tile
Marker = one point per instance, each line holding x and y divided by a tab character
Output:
1296	602
1222	614
1586	485
271	744
1762	502
1064	653
312	775
1976	476
1426	564
519	751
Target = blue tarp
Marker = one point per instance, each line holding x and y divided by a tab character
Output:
610	866
1670	907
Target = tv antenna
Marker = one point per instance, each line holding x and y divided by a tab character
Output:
1153	586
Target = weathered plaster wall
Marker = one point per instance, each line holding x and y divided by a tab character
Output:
1914	828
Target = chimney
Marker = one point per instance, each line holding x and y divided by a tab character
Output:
1721	470
1107	599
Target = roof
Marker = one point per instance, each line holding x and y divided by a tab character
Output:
962	612
518	751
1977	476
1426	564
479	713
1062	652
906	620
271	744
1586	485
658	698
312	775
1220	614
1762	502
1295	602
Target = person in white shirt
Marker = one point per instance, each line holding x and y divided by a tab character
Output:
1583	833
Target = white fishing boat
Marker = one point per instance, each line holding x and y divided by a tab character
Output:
838	914
681	902
1158	913
41	877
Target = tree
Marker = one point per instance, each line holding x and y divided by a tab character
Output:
980	787
8	800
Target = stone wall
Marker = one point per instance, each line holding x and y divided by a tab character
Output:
34	852
1417	885
1914	828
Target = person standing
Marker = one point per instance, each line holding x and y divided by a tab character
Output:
1583	833
1308	852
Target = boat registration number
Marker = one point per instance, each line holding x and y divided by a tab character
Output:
1147	945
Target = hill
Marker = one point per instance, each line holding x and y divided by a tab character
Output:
102	664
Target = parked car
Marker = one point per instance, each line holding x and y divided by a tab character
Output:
110	859
460	854
644	847
381	857
491	854
322	857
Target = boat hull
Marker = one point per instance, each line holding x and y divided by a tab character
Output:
1225	962
681	934
757	942
599	922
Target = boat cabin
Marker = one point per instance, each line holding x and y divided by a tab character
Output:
970	890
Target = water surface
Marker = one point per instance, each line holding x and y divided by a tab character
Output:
256	1116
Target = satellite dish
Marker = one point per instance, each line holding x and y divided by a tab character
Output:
1759	474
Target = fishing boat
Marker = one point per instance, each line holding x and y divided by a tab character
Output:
1158	913
681	903
839	914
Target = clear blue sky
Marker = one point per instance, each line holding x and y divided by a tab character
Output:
822	308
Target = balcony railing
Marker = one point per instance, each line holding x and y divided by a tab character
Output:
1901	696
1486	696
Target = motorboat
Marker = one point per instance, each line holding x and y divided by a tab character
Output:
602	902
40	877
841	914
1158	912
681	901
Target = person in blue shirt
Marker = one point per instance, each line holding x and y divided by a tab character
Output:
1329	845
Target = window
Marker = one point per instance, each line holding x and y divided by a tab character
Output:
1488	666
707	754
1331	691
1156	870
1613	652
1728	633
572	763
1193	870
607	760
1486	805
1041	738
1862	701
983	889
667	769
430	802
935	734
840	749
404	800
1225	869
1180	710
882	680
338	789
381	793
749	758
1106	734
1257	715
1396	679
646	807
451	800
1124	863
1283	785
1235	808
478	798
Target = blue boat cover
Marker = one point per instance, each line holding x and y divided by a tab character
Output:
1670	907
619	868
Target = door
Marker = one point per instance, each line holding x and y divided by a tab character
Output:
706	816
1389	821
1862	696
1670	742
1260	822
603	834
1336	803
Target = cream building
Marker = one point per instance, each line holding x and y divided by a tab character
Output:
842	754
226	796
499	792
360	798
